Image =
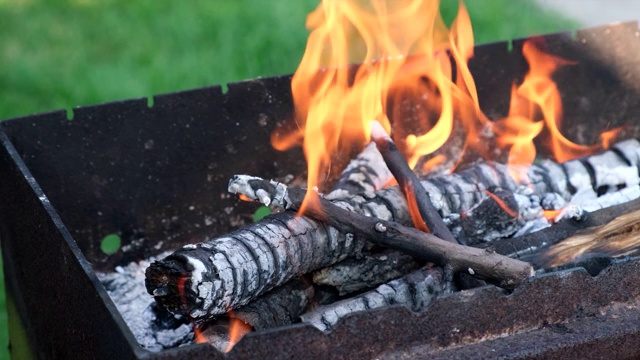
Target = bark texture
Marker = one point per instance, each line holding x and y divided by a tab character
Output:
371	270
415	290
207	279
366	173
484	264
280	306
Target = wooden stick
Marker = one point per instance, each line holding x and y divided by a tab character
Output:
483	264
427	218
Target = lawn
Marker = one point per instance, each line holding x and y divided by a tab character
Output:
57	54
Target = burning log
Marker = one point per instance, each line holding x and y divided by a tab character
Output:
425	216
230	271
366	173
483	264
415	290
280	306
354	275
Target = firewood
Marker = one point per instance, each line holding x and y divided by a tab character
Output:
427	218
280	306
415	290
483	264
619	237
207	279
230	271
366	173
371	270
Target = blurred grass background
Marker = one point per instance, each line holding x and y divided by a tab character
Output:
57	54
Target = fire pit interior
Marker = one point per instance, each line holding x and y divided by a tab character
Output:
154	178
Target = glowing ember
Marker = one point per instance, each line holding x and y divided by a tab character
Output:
237	327
199	337
502	204
551	215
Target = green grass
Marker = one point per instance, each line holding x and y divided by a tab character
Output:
57	54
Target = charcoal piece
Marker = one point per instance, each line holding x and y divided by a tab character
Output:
492	217
371	270
280	306
415	290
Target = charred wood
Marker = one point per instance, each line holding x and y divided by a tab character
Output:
207	279
353	275
415	290
485	265
426	218
280	306
366	173
492	216
230	271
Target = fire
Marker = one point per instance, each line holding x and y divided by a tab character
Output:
406	53
237	329
551	215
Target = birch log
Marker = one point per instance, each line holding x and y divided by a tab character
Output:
415	290
229	271
354	275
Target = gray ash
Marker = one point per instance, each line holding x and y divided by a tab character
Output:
153	327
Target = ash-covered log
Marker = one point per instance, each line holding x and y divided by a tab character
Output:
367	172
353	275
280	306
414	290
483	264
230	271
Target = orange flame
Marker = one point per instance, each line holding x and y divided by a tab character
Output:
414	211
237	329
406	53
551	215
199	337
334	105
